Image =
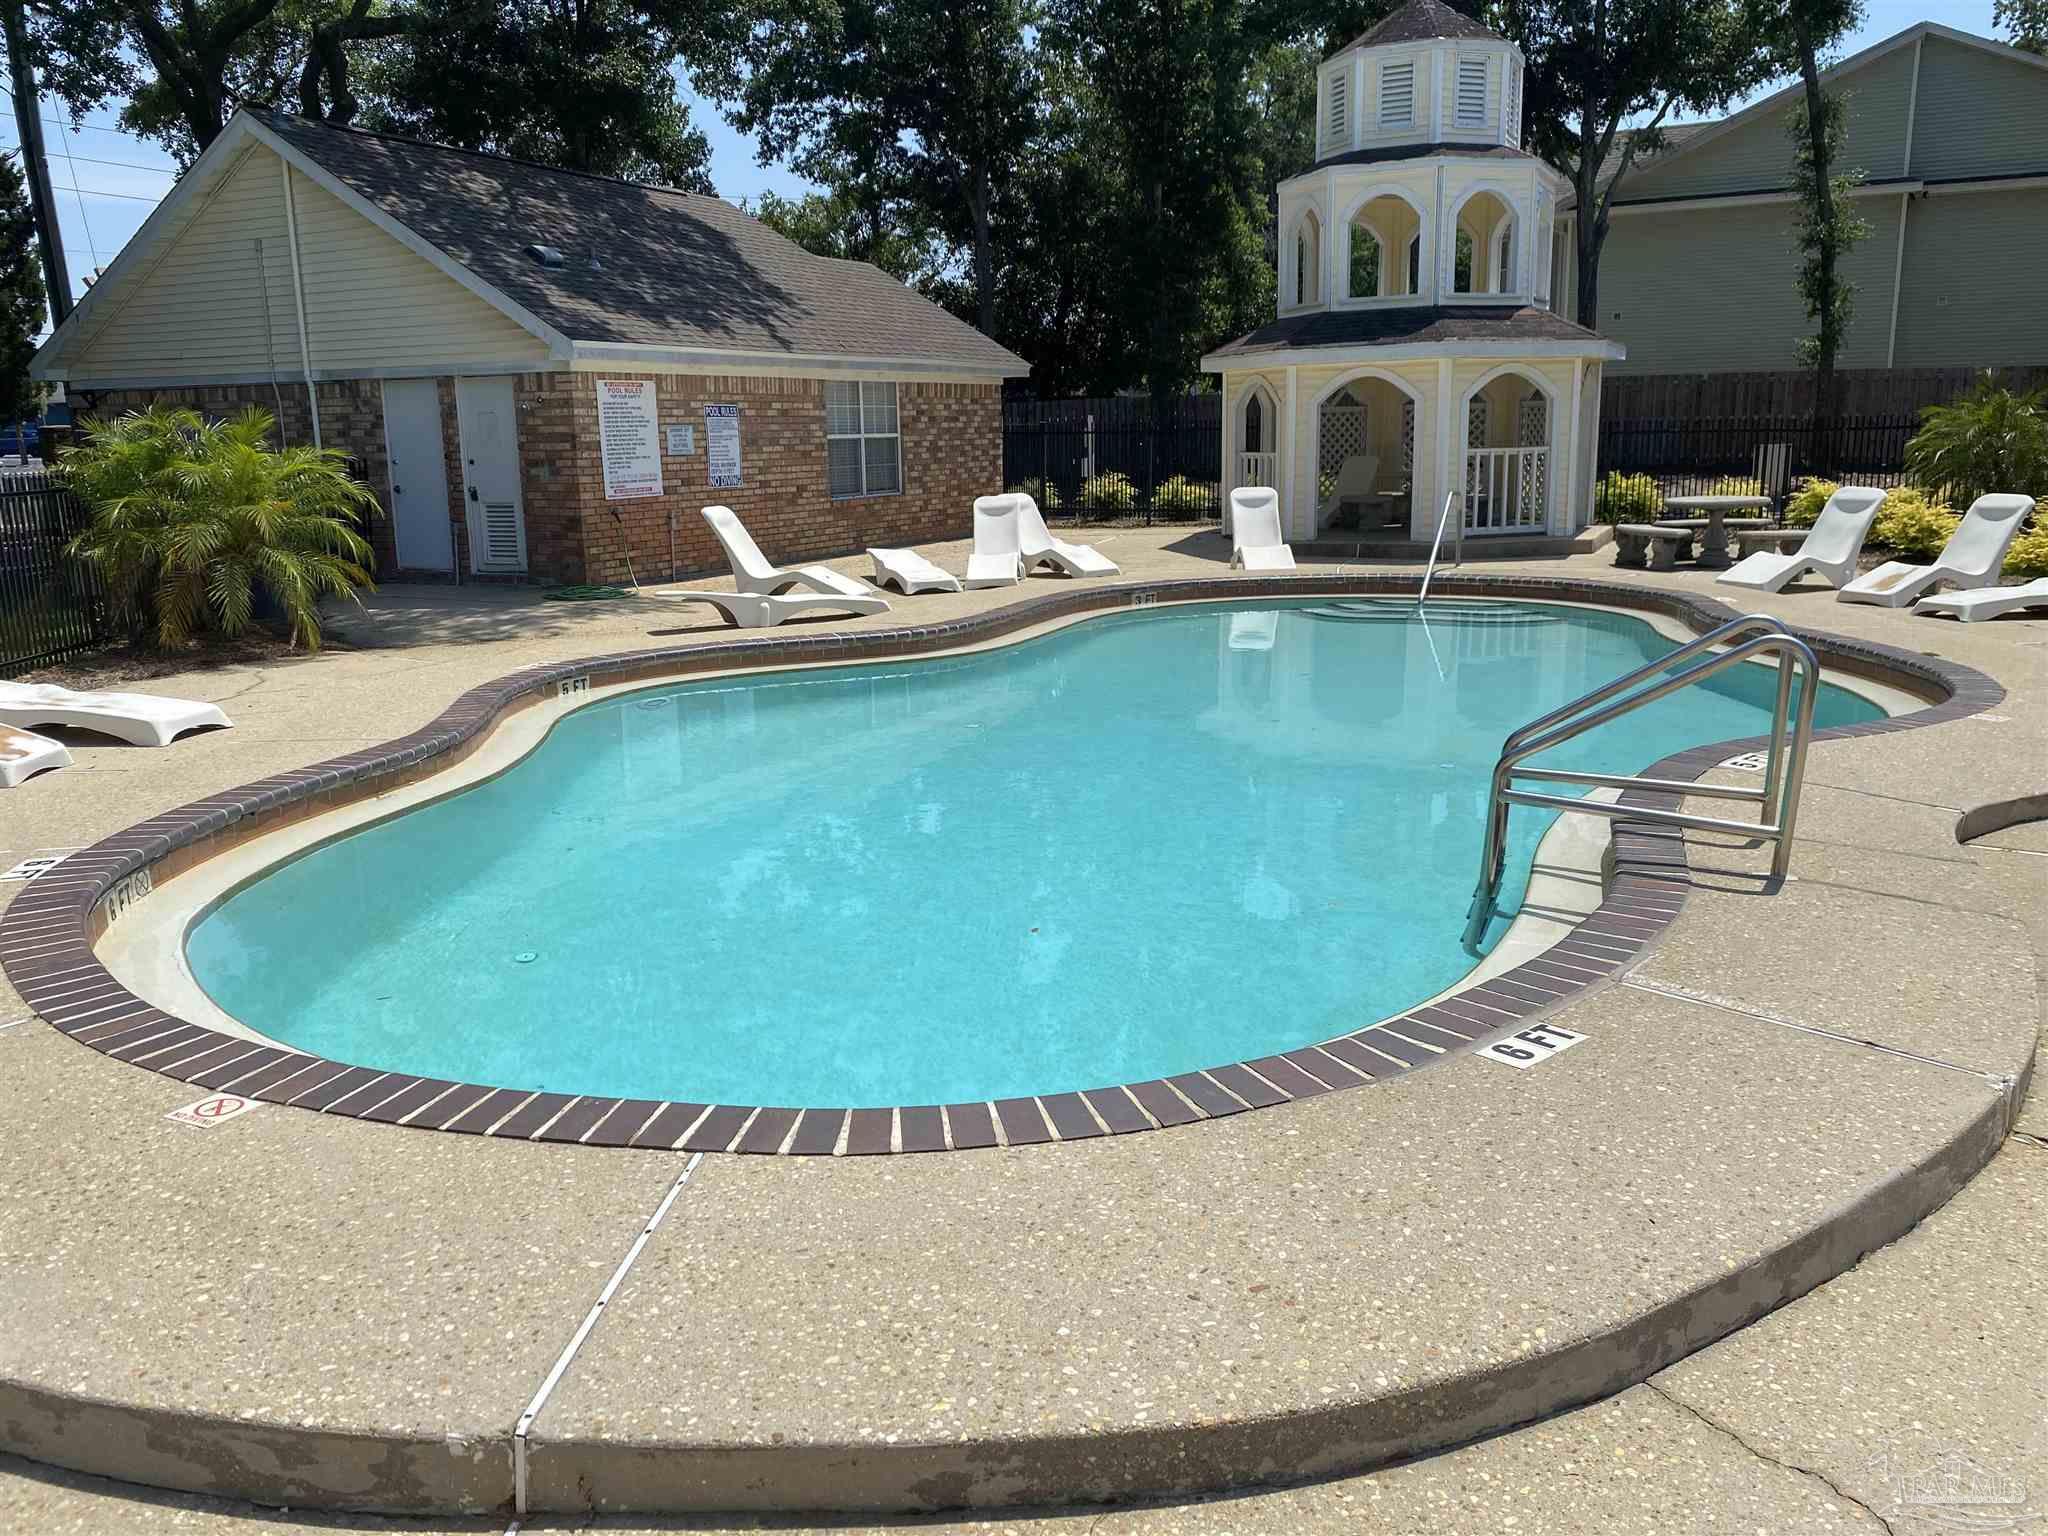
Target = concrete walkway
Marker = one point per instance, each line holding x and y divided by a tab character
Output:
294	1270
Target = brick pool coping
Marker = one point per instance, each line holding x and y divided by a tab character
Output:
48	933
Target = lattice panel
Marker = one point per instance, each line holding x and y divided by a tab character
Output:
1532	425
1532	490
1478	416
1408	436
1343	434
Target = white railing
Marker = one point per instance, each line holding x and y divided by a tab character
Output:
1258	469
1507	490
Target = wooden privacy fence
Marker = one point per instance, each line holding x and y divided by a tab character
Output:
1117	459
51	605
1789	392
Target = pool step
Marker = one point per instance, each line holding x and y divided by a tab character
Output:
1399	610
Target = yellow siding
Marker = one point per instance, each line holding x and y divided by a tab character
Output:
198	309
372	304
1972	291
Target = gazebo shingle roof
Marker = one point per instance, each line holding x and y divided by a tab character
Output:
1419	21
1403	326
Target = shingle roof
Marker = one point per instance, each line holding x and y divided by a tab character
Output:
1385	152
1401	326
647	265
1418	21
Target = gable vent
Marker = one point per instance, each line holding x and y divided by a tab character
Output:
1339	116
1471	93
1397	95
545	255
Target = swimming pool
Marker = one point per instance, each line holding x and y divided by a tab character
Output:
1140	845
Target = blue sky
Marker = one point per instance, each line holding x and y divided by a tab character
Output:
107	182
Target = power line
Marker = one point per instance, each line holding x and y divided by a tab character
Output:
125	165
78	192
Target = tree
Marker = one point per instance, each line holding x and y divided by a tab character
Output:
191	518
1594	66
21	299
2025	20
848	222
925	99
1987	440
587	85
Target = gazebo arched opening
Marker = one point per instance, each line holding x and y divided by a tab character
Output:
1258	439
1485	256
1365	456
1304	264
1512	448
1383	229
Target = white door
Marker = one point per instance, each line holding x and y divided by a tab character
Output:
490	473
419	476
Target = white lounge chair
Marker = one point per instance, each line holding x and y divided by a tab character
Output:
752	571
1830	549
997	560
1040	548
1971	558
908	571
1987	602
1357	477
764	610
143	719
1255	541
23	753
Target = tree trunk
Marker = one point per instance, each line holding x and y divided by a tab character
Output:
1589	226
1826	341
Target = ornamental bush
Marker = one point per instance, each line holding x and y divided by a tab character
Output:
1182	497
1803	506
1111	492
1045	492
2028	557
1912	526
1620	498
1737	485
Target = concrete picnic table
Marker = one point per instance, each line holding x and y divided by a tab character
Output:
1713	553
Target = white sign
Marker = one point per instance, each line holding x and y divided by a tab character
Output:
212	1110
628	438
682	441
1537	1043
722	443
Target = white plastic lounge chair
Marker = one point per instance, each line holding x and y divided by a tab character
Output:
1357	477
752	572
1040	548
1255	541
1830	550
23	753
141	718
908	571
1987	602
764	610
1971	558
997	560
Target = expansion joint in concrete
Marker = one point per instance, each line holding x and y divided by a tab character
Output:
1797	1468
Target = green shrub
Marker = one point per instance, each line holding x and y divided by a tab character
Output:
1045	492
1112	492
191	518
1620	498
1737	485
2028	557
1184	496
1803	507
1912	526
1987	440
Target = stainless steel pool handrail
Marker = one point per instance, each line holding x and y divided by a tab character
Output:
1784	767
1457	552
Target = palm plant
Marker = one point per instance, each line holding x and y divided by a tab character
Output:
191	518
1987	440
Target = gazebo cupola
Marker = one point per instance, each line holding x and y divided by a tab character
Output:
1421	194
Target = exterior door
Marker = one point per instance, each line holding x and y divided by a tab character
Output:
490	473
419	476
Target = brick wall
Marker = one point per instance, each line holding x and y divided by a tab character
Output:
351	419
952	452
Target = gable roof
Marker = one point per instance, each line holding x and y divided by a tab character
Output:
1683	138
650	273
1420	21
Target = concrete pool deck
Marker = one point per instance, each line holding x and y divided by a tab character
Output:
311	1310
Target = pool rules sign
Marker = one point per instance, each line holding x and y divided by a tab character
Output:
722	444
628	439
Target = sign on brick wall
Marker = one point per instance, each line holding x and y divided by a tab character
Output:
722	444
629	438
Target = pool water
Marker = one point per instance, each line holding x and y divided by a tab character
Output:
1147	843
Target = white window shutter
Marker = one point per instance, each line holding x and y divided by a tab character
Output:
1471	93
1338	120
1397	95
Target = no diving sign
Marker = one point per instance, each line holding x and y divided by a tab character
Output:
212	1110
1526	1048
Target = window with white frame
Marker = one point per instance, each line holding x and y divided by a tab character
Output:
863	440
1471	98
1397	95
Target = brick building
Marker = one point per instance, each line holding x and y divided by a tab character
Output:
453	320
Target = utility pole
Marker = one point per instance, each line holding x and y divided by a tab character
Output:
35	164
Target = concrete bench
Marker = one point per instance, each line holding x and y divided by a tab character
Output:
1749	540
1664	543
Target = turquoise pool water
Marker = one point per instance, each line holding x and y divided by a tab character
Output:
1147	843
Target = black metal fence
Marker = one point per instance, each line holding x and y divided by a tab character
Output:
1694	456
1117	460
51	605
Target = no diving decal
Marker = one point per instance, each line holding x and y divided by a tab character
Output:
1528	1047
215	1109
